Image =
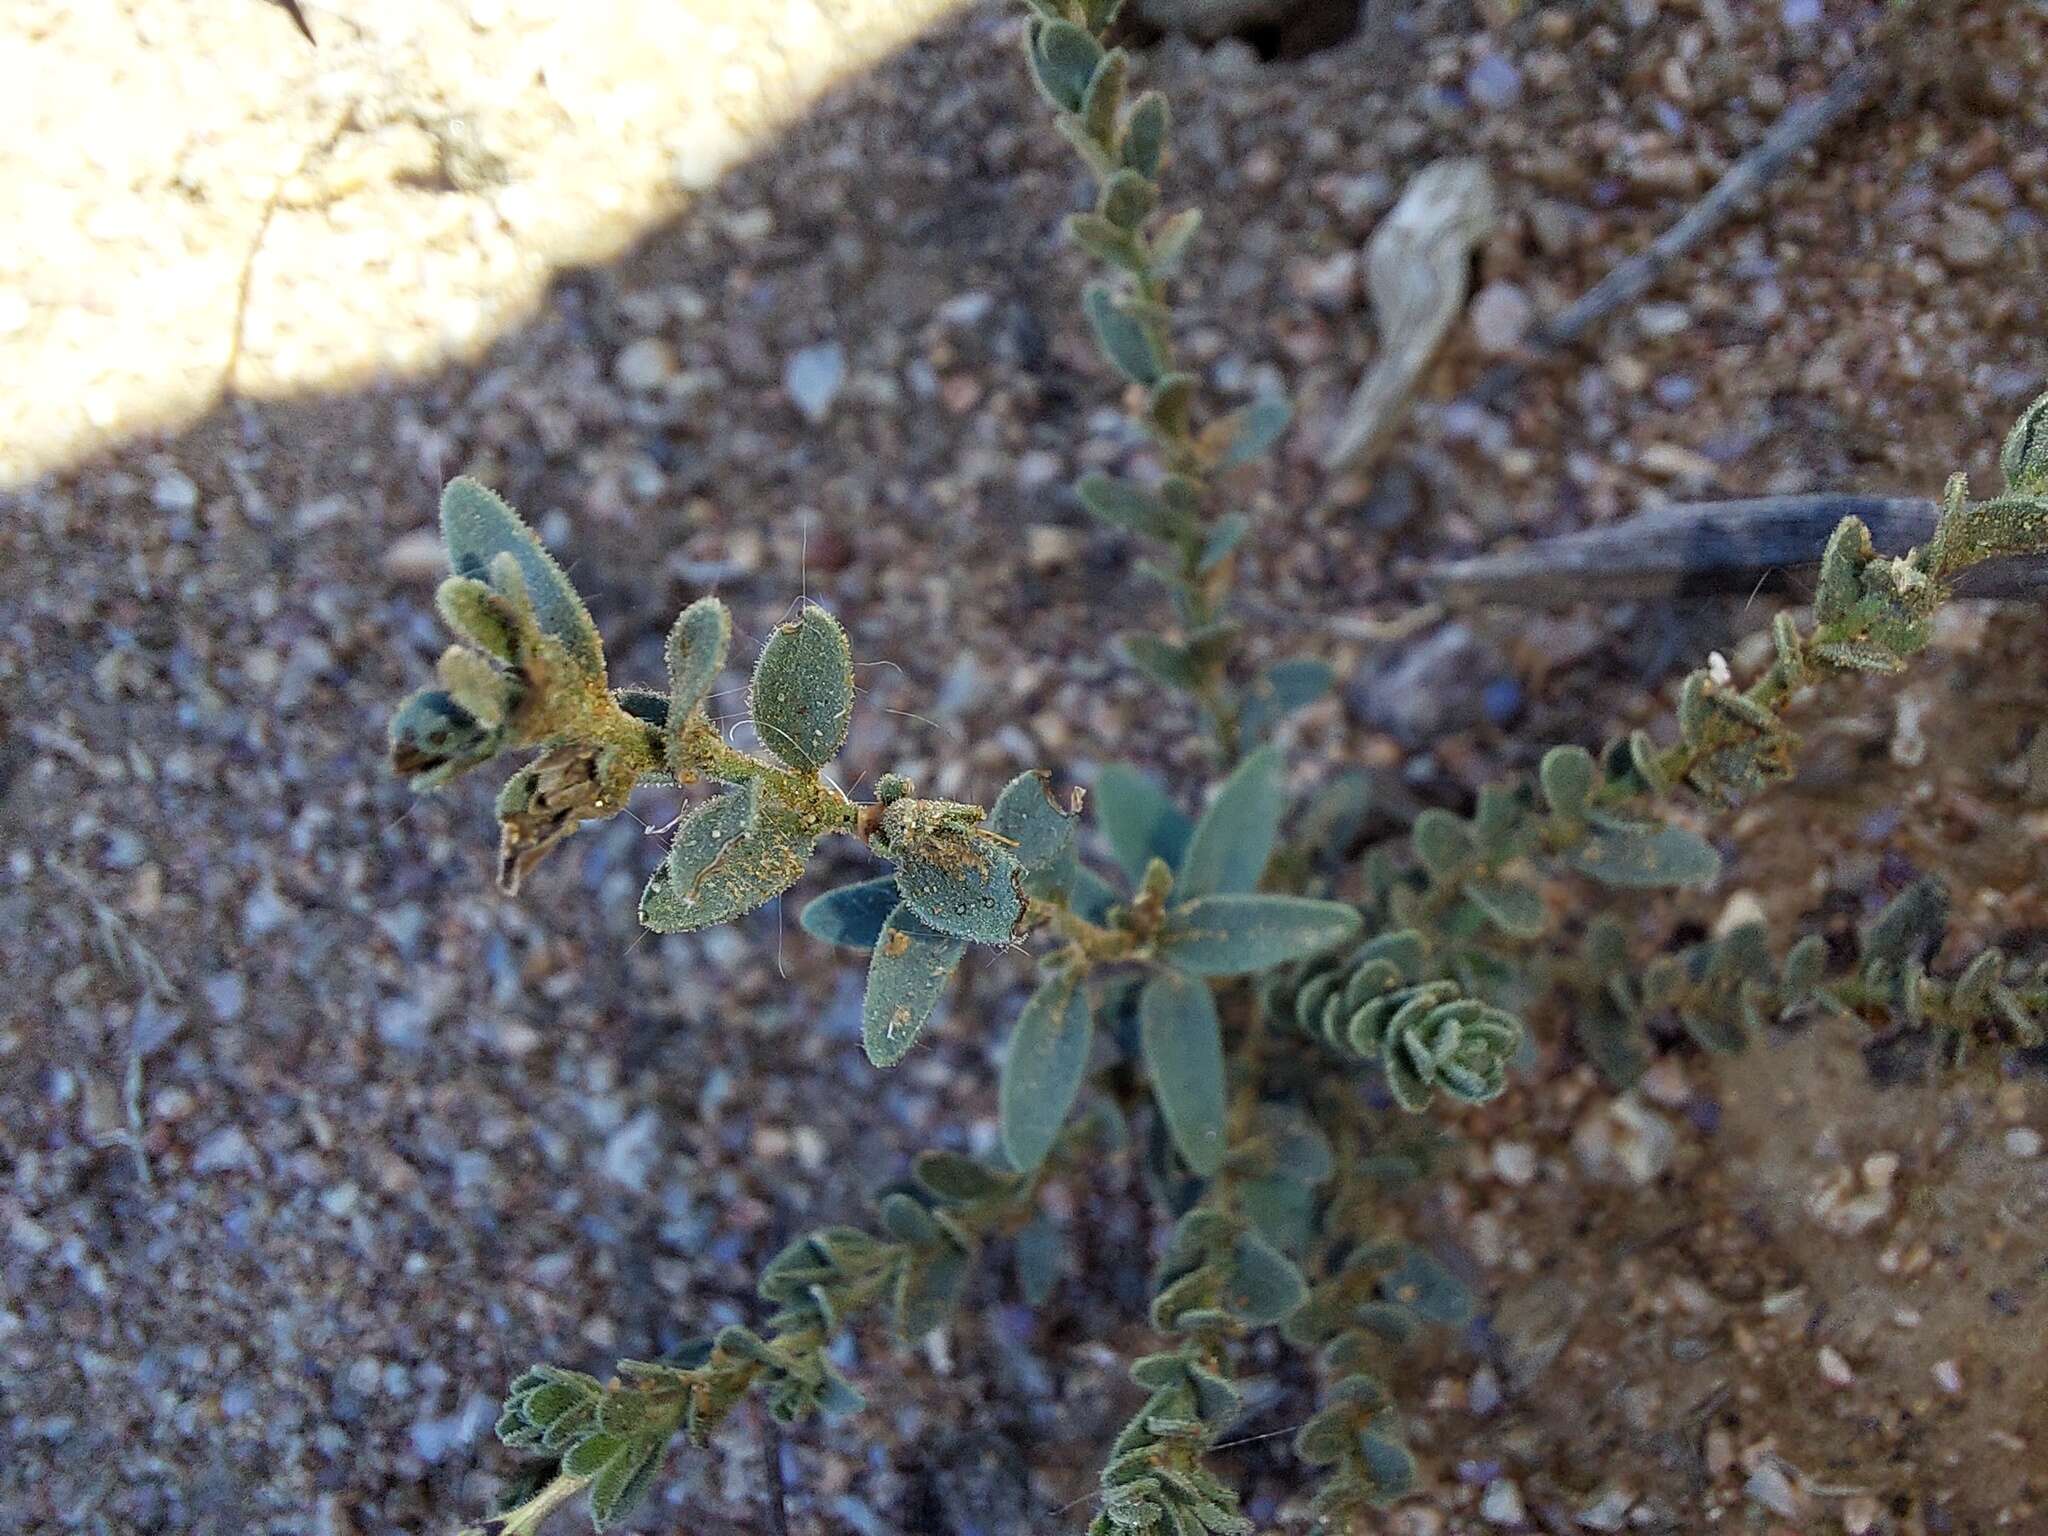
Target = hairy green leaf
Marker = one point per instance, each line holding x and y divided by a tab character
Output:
1176	666
1138	819
1040	1255
1182	1040
802	696
1644	855
1171	241
1032	818
622	1482
908	973
1127	200
1063	60
1104	98
1129	505
1047	1060
1568	775
1263	1284
967	893
927	1290
1145	129
477	525
730	855
1124	340
433	739
1231	844
1256	428
1281	689
696	652
1236	935
480	615
955	1179
1515	909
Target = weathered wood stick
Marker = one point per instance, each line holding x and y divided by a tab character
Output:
1800	127
1695	549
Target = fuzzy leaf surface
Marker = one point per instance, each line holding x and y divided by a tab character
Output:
802	697
1645	855
1231	844
1231	935
1182	1041
906	977
853	915
477	524
696	652
730	855
1047	1060
1141	823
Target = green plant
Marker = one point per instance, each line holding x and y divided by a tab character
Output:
1250	1105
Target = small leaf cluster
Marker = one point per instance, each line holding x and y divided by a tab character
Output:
609	1438
1218	1278
1123	141
956	880
1723	993
1376	1004
1192	912
532	675
1374	1303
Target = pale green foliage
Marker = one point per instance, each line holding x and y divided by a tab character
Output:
802	698
1043	1068
1245	1108
1183	1044
907	974
1725	992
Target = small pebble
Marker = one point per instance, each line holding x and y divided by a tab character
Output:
644	365
1493	82
1502	1502
1949	1377
813	378
1833	1368
1609	1511
2023	1141
174	491
1514	1162
1483	1395
1770	1487
1501	313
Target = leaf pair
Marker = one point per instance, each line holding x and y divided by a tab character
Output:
1217	924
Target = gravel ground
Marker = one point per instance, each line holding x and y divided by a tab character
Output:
312	1140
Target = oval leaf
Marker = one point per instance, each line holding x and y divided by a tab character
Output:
1236	935
1644	855
477	524
853	915
1122	339
905	978
802	697
1048	1057
1139	821
1232	842
971	894
1256	428
1515	909
696	653
730	855
1027	813
1182	1041
1264	1284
